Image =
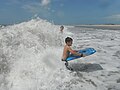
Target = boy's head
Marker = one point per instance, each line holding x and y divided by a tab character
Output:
68	41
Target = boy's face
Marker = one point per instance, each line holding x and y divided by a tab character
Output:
69	43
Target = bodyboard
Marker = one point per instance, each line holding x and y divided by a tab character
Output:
87	52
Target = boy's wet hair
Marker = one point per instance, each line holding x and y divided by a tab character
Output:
68	39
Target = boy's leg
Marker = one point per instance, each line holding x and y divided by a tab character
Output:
66	64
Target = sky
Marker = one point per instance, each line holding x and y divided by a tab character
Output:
69	12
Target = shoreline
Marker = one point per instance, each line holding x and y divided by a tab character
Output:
111	27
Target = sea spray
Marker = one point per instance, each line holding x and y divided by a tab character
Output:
32	51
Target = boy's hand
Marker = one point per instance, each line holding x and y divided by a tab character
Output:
83	55
76	51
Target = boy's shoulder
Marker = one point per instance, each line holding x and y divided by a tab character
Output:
66	46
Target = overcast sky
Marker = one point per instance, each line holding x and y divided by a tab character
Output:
61	11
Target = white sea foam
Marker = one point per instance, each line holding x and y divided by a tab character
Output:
30	58
32	50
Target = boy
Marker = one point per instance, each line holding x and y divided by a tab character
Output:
68	51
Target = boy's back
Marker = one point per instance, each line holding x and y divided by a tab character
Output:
65	52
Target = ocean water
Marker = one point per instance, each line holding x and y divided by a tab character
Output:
30	58
103	27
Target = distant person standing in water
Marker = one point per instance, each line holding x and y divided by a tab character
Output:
60	37
61	29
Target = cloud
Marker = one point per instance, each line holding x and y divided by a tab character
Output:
36	8
32	8
113	17
43	8
60	14
15	1
61	4
12	2
45	2
106	3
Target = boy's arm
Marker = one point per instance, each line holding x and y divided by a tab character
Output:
74	52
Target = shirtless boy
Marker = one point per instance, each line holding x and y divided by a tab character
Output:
68	50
